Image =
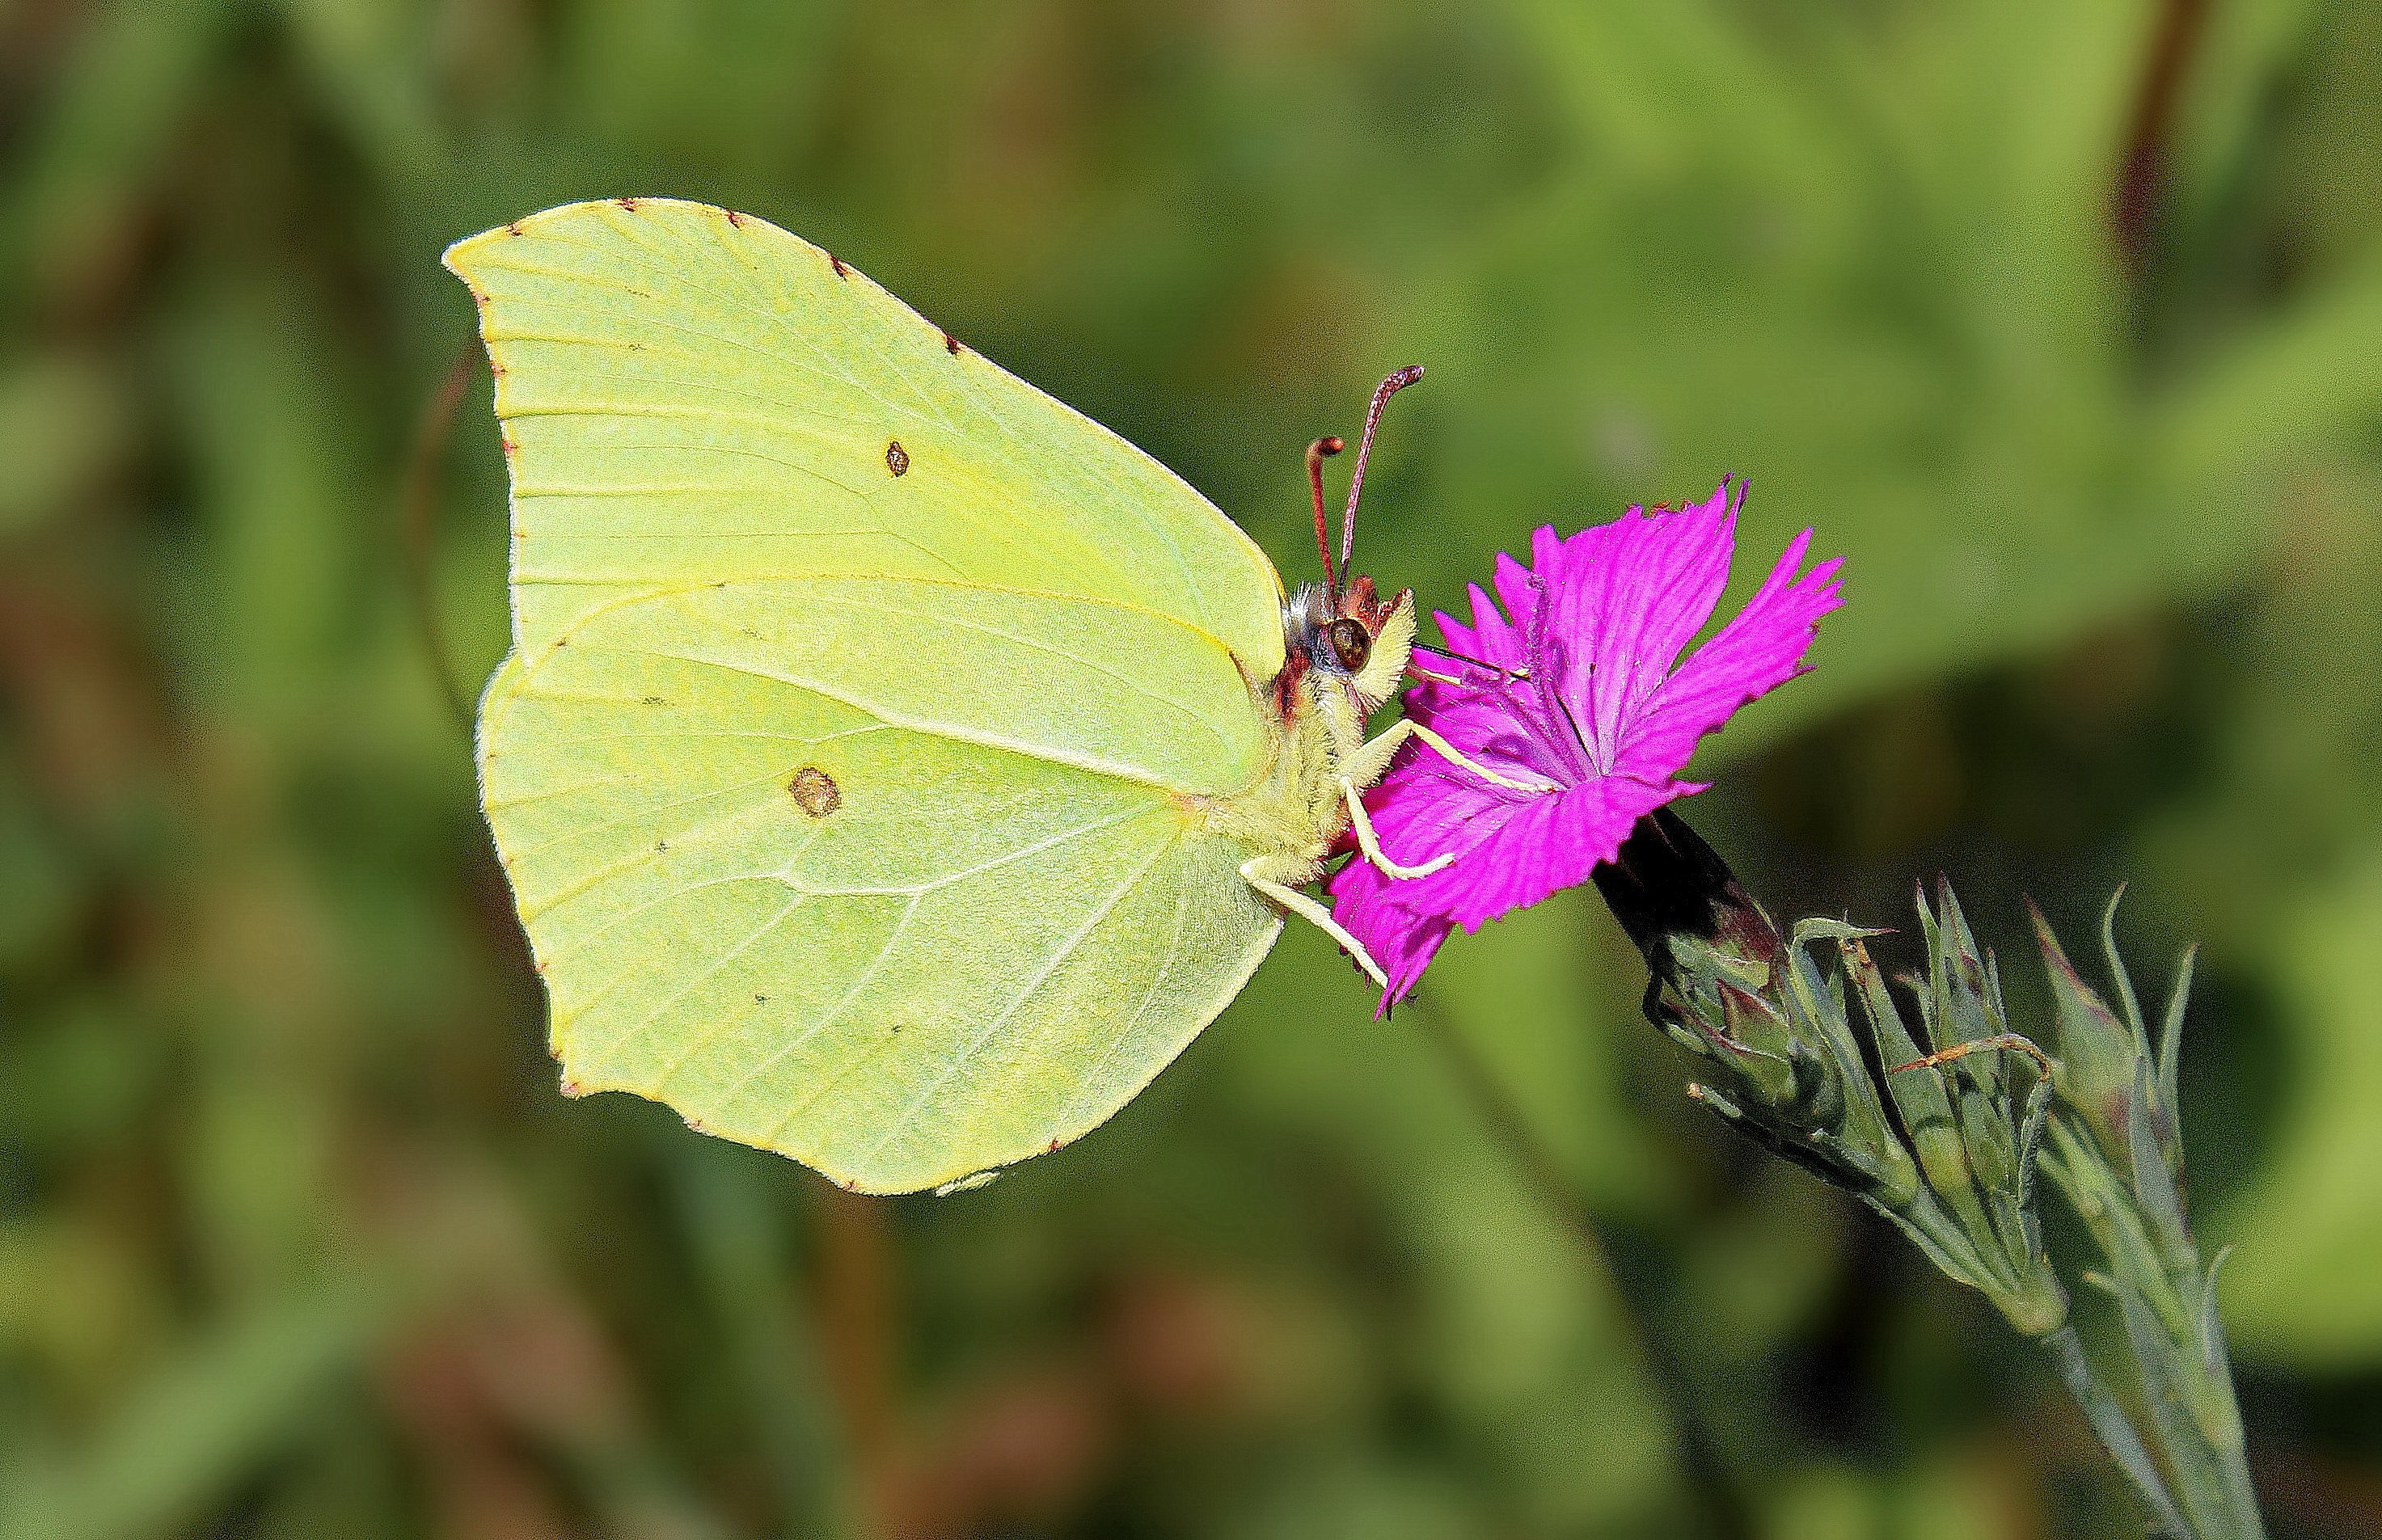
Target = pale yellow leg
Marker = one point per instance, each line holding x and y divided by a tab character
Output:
1370	844
1368	764
1307	908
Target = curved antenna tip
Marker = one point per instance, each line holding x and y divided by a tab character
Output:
1397	382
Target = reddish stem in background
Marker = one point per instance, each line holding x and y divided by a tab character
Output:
2142	176
856	1319
418	520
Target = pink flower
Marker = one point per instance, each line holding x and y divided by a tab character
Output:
1574	684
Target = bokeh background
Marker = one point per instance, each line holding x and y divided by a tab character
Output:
2061	319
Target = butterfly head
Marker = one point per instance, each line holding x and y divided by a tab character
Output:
1352	637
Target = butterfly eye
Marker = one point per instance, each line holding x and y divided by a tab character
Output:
1351	642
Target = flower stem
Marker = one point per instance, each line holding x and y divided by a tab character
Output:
418	520
1726	1514
2109	1424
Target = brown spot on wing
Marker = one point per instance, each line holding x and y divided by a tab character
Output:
897	459
950	343
734	218
837	262
514	228
815	791
628	203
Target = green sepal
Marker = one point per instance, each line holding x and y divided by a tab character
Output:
2118	976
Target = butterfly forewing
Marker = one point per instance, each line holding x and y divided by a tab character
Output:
692	395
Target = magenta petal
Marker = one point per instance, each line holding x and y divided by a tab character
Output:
1518	596
1575	686
1754	653
1511	848
1437	810
1500	641
1515	854
1460	637
1629	595
1550	843
1402	941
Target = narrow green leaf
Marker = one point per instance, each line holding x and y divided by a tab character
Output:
203	1423
2128	1003
2170	1045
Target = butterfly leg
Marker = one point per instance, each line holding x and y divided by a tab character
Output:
1369	763
1370	844
1291	899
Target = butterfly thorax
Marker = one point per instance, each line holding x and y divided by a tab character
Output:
1343	655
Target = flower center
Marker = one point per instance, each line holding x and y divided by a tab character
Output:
1541	655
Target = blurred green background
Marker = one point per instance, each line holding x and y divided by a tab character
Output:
2062	319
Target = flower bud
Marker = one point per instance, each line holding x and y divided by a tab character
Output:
1666	883
2098	1053
1729	988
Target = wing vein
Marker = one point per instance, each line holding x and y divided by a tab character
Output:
1090	1077
898	1124
1048	754
1132	685
633	816
704	976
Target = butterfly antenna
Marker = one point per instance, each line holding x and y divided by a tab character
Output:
1317	452
1499	669
1382	395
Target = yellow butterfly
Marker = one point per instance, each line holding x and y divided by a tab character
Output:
893	767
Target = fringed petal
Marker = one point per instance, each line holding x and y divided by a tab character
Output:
1571	680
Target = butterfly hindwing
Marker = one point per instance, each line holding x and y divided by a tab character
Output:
897	955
